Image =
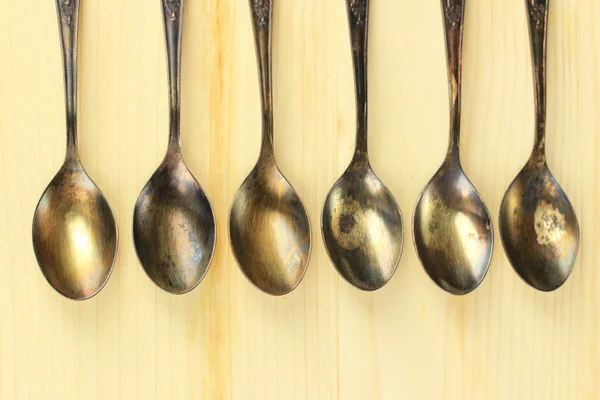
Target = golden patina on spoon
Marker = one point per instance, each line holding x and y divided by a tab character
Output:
452	227
173	222
74	230
269	228
538	226
361	222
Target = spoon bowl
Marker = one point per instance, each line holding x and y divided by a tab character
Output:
362	226
269	230
173	222
74	234
539	228
453	231
174	227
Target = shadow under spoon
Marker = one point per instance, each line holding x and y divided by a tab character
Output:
74	230
269	228
173	222
538	225
452	227
361	222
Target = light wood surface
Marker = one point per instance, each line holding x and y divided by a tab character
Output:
326	340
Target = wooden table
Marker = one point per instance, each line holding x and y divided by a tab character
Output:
326	340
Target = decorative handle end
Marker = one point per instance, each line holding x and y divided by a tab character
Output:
68	11
538	13
172	8
262	11
454	15
358	9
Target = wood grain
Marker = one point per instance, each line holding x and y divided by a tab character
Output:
326	340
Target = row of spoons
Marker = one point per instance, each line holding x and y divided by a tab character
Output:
75	233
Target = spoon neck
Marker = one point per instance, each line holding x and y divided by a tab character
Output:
173	155
174	130
174	142
264	66
72	153
453	156
454	137
71	117
360	157
538	155
362	142
267	147
539	144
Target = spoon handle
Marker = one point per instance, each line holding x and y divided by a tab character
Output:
173	22
537	12
454	19
358	19
262	13
68	16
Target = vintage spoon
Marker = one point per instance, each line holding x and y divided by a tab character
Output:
269	229
452	228
173	221
538	226
74	230
361	221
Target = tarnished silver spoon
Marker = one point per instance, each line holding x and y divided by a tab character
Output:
269	228
173	222
361	222
538	225
74	230
452	227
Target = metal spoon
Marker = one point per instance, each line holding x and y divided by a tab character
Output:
538	226
361	221
269	228
74	230
452	226
173	221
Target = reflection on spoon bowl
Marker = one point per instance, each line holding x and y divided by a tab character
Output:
453	231
270	231
539	229
74	234
174	227
362	228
